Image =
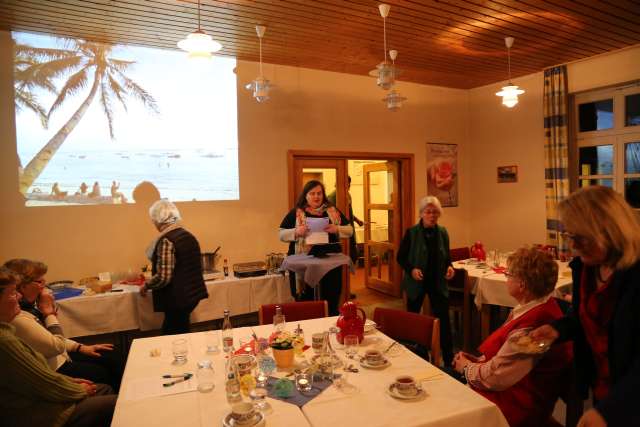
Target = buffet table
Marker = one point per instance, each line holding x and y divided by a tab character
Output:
126	310
366	402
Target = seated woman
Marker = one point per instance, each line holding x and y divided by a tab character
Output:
38	326
524	386
31	393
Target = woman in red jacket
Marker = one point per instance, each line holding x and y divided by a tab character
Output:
524	386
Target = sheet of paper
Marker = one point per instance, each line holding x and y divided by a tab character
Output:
143	388
317	238
317	224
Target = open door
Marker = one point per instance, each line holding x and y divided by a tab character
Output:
383	229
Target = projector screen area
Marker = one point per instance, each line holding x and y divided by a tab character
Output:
103	124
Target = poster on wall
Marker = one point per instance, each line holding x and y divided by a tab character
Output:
442	173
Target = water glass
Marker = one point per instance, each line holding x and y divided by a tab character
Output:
258	397
351	345
212	341
317	342
304	382
180	351
205	376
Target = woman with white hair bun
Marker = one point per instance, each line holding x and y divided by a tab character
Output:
424	257
176	282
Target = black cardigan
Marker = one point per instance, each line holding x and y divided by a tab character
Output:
621	407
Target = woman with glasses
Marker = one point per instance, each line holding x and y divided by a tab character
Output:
525	387
604	321
424	257
38	326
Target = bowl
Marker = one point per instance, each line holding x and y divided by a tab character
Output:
59	284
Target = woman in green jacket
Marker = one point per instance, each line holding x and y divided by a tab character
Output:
424	257
31	393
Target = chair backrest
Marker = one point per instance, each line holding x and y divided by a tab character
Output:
459	280
458	254
294	311
406	326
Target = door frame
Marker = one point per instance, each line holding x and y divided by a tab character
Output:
407	176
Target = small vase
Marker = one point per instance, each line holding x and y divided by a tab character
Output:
284	358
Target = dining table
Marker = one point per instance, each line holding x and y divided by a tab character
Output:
488	284
354	398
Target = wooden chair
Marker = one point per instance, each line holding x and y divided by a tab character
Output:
460	304
294	311
457	254
410	327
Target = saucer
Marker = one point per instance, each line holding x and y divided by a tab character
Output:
365	364
336	361
393	392
257	421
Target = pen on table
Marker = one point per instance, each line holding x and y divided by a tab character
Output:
186	374
184	378
116	290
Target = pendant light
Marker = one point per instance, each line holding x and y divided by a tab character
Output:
199	44
260	86
510	92
385	72
393	99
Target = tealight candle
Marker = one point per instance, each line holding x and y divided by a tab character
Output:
262	379
304	382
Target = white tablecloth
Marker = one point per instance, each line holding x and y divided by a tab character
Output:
127	310
448	402
491	288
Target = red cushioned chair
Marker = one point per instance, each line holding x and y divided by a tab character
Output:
294	311
458	254
410	327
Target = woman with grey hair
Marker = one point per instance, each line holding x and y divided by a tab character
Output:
424	257
176	282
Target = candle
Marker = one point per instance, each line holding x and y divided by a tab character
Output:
262	378
303	381
248	349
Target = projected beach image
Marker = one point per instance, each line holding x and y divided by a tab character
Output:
95	121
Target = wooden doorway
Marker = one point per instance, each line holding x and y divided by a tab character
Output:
331	166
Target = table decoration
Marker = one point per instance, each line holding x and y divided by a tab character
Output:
282	345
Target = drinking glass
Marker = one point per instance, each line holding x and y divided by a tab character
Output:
247	345
212	341
258	397
206	376
180	351
351	345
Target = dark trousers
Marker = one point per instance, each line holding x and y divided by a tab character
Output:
330	289
177	321
106	369
440	309
94	411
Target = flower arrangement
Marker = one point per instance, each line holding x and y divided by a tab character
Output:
281	341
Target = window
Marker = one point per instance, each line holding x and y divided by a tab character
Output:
608	140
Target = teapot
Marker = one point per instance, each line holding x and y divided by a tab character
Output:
349	322
477	252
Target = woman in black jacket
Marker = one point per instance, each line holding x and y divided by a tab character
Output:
604	322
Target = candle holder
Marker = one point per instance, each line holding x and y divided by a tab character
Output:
304	382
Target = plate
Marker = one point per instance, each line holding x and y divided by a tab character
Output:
258	421
365	364
369	325
521	342
393	392
335	359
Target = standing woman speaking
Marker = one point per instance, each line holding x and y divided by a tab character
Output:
424	257
177	283
313	203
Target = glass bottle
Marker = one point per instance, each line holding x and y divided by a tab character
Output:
227	333
232	388
225	268
298	341
205	376
278	320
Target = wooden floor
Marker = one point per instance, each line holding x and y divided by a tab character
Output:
367	298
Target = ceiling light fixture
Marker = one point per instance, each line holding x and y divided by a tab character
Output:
260	86
510	92
199	44
385	72
393	99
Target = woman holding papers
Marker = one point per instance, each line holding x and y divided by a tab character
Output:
314	220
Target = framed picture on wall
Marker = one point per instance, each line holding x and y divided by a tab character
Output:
442	173
507	174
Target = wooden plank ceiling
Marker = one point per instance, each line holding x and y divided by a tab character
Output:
453	43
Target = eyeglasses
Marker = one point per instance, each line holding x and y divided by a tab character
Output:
431	212
577	239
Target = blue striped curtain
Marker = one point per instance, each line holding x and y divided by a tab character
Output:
556	151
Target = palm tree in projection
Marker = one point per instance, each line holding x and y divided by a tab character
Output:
90	67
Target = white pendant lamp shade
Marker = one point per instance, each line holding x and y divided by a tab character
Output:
394	100
199	44
509	95
510	92
260	86
385	72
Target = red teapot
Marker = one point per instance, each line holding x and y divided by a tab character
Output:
349	322
477	252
